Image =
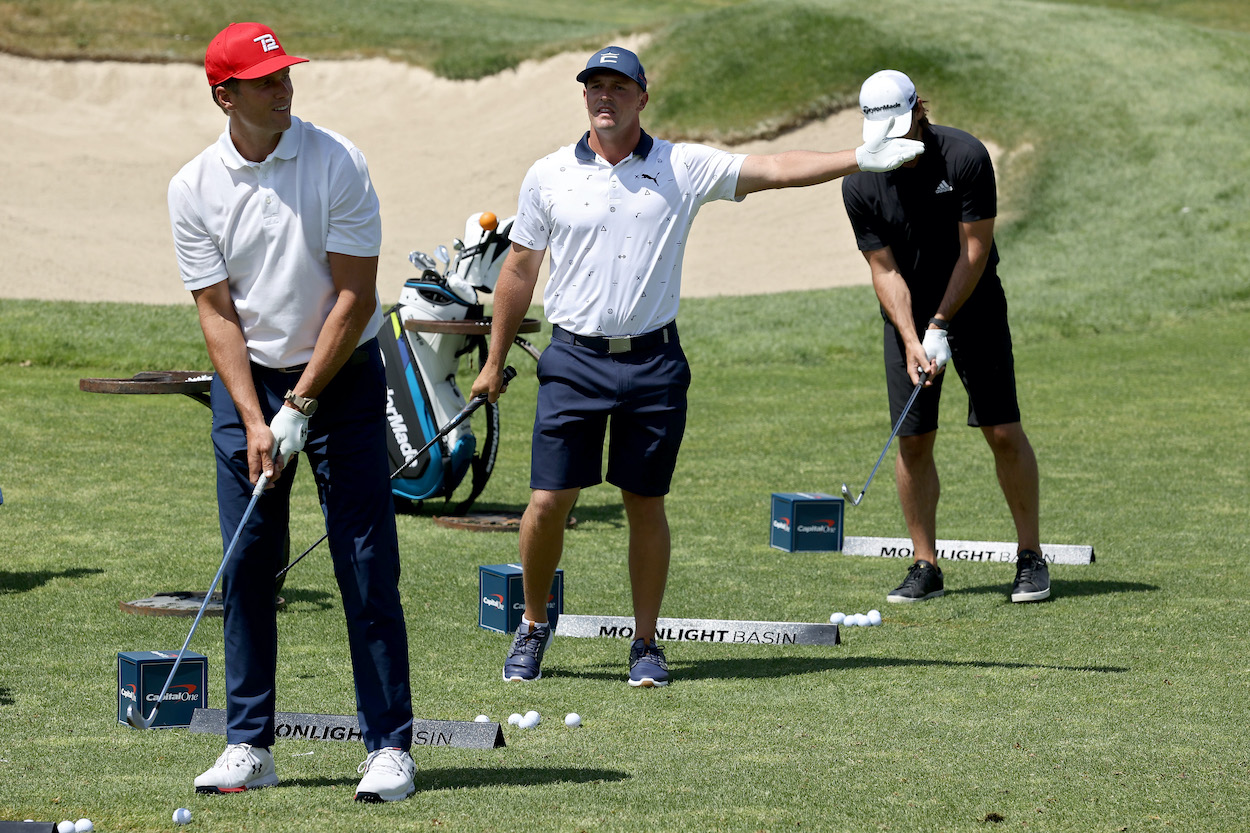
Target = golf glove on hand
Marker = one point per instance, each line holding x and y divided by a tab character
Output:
935	346
880	153
290	432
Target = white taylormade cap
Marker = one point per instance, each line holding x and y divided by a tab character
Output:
887	94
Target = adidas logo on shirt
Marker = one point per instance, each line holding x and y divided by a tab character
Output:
944	187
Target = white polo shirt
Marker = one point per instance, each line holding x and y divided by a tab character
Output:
266	227
617	233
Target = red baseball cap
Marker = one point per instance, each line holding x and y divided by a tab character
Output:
245	50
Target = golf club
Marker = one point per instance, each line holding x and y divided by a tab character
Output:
846	492
509	373
134	714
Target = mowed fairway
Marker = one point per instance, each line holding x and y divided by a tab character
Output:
1119	705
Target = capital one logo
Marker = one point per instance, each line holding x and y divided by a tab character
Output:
268	43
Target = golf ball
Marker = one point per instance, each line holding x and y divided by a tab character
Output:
528	722
861	620
182	815
66	826
837	618
481	718
572	720
874	617
83	826
514	719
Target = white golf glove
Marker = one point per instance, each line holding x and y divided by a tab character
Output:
290	432
881	153
935	346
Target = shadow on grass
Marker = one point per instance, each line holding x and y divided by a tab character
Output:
22	582
319	599
612	514
461	777
429	779
777	667
6	696
1065	588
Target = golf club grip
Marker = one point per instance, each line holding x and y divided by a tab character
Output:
509	373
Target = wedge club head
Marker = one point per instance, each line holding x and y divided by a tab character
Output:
846	493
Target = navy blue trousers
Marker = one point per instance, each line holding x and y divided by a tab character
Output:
347	451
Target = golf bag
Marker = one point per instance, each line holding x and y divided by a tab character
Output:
422	394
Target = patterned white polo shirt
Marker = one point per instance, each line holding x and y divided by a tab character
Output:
617	233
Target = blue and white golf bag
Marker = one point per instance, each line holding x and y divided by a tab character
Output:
421	365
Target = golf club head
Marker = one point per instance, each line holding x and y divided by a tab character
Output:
134	716
846	493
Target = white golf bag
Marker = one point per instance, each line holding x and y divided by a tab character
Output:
421	365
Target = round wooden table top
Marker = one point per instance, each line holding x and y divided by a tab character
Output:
153	381
480	326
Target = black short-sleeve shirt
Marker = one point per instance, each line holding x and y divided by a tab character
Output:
916	212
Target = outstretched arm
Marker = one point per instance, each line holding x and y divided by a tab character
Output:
794	168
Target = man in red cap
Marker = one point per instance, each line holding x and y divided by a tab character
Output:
277	232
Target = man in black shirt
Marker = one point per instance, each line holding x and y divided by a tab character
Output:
927	232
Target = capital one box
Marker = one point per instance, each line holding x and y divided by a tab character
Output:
502	599
807	522
141	675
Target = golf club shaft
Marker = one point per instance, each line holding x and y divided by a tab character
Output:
915	392
247	513
509	373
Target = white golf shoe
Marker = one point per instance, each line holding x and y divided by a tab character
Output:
241	767
389	775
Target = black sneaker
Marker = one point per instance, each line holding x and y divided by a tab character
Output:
647	665
1032	578
924	581
525	658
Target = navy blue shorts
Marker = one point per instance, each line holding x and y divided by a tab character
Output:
644	394
981	355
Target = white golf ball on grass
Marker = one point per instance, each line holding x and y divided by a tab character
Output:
874	617
182	815
514	719
83	826
531	719
66	826
572	720
481	718
837	618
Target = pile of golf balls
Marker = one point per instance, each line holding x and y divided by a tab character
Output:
531	719
182	815
852	620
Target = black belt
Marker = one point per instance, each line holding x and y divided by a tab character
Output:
618	344
360	354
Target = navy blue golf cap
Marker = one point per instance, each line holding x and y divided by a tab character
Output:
615	59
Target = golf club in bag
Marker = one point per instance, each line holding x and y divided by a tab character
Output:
424	338
509	373
846	491
134	714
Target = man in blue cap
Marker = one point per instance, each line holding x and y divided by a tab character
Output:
615	208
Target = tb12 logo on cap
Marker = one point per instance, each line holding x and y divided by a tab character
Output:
268	42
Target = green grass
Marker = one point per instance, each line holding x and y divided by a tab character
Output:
1115	706
1109	707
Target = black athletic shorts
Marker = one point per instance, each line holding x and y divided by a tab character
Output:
980	354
